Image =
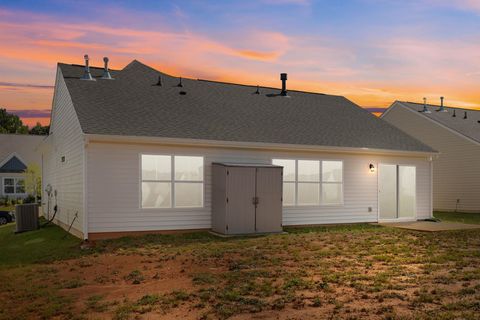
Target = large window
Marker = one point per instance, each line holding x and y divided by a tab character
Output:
311	182
172	181
14	186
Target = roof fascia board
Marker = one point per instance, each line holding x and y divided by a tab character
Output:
249	145
440	124
389	108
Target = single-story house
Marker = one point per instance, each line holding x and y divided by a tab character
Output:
132	150
455	133
17	152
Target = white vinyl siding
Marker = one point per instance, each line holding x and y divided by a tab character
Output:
456	171
66	177
113	178
171	181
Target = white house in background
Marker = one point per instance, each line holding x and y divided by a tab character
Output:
17	152
135	154
455	133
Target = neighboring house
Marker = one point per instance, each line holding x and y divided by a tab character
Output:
17	152
455	133
135	154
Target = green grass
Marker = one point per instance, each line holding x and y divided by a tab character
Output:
49	243
473	218
7	208
393	272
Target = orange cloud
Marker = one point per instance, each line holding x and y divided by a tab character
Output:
404	69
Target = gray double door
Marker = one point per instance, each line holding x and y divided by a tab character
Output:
254	200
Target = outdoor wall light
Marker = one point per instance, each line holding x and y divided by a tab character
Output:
372	167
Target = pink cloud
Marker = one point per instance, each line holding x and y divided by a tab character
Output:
400	68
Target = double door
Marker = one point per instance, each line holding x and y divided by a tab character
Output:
254	202
397	192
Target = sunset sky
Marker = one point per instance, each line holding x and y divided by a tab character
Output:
371	51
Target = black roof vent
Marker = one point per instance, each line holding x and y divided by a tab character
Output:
180	83
159	82
465	115
182	93
258	90
454	115
283	77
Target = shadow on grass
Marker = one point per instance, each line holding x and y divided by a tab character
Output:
46	244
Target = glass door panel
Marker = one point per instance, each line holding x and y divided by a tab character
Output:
406	192
387	191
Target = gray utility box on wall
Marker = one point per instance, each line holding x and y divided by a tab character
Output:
246	198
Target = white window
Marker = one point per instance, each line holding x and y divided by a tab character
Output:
289	180
308	182
332	180
13	186
172	181
311	182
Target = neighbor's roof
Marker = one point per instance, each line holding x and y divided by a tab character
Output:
469	127
13	165
133	105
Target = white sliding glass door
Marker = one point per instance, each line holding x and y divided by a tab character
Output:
387	191
406	192
396	192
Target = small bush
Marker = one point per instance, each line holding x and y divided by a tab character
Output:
29	199
135	276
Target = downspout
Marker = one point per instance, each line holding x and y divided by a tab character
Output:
85	198
431	186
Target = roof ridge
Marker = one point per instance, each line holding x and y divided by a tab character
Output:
266	87
83	66
437	105
138	62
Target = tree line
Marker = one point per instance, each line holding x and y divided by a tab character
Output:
11	123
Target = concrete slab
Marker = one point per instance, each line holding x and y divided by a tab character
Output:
431	226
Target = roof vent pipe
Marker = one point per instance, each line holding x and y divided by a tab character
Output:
258	90
283	77
454	114
465	115
106	73
425	109
442	108
87	75
159	83
180	83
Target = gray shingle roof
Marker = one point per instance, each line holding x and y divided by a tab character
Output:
132	105
14	165
469	127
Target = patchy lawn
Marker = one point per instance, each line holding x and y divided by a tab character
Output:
346	272
473	218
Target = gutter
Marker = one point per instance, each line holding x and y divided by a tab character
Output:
251	145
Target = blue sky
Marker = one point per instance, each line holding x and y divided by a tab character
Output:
372	51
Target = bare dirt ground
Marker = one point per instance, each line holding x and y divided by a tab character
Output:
357	272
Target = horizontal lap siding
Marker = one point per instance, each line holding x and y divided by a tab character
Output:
66	139
114	188
456	172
